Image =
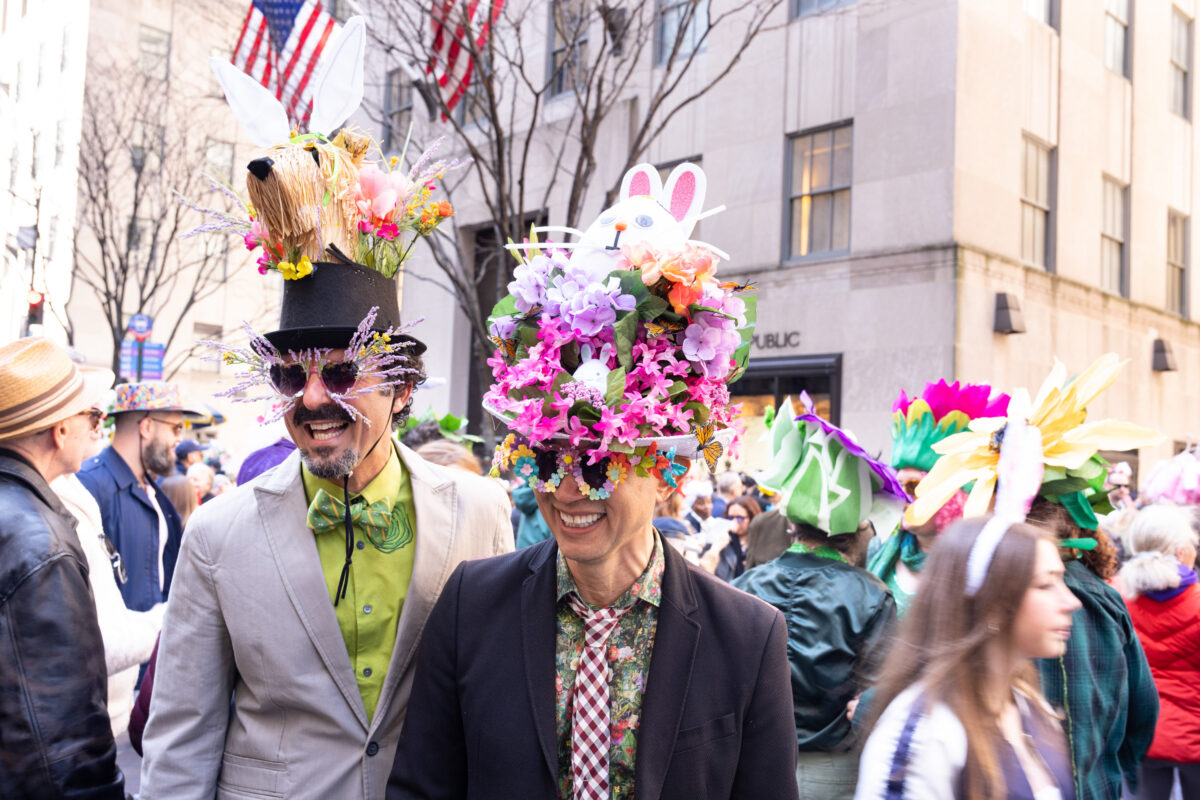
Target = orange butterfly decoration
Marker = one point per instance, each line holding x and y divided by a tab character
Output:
709	446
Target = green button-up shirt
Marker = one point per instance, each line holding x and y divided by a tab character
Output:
629	649
370	611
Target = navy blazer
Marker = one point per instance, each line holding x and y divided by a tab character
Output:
716	714
131	522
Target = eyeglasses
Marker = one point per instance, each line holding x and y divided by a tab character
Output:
289	380
737	517
95	417
114	558
176	427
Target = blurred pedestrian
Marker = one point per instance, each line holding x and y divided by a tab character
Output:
740	512
840	618
263	459
182	494
957	710
767	536
668	520
1101	682
188	452
728	488
450	454
700	507
138	519
201	476
1164	602
531	527
56	737
941	410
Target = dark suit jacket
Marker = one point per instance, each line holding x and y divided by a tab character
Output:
716	714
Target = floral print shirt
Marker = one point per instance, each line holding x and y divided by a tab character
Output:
629	648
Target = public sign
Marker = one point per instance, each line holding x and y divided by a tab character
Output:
150	354
140	326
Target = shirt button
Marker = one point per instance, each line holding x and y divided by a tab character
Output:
361	544
366	609
372	749
366	672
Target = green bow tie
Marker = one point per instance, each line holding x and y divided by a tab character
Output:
384	527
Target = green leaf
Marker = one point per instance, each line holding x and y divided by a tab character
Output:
631	282
740	357
624	333
507	307
651	307
568	356
1063	486
1088	470
1080	510
677	388
614	391
586	412
450	423
700	413
527	335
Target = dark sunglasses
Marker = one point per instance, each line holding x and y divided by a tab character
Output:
289	380
549	462
95	417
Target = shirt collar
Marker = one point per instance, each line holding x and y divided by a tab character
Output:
647	587
384	486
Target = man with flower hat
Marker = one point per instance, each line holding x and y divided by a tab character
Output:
918	423
599	664
1102	682
302	595
54	725
138	517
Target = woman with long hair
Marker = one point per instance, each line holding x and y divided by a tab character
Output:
740	511
1164	603
957	711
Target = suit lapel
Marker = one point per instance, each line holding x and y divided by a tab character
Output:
282	508
675	641
435	503
537	639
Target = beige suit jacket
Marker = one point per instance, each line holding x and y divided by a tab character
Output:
250	618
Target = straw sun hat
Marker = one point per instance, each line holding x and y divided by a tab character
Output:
40	386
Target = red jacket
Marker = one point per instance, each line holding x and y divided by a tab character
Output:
1170	635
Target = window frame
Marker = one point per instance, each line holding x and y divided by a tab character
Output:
1176	68
393	138
556	82
1047	208
796	12
471	95
1178	221
1111	17
789	198
1122	288
144	32
209	143
699	39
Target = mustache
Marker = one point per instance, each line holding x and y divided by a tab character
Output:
326	413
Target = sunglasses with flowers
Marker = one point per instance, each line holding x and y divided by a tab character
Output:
596	473
290	379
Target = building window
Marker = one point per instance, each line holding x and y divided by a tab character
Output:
679	27
1116	35
14	168
1181	59
1035	204
1039	10
800	8
1177	261
218	158
153	47
146	146
1112	239
51	237
214	85
472	109
60	142
819	192
397	109
141	242
568	55
35	156
200	360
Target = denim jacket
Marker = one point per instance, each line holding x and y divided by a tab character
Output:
131	522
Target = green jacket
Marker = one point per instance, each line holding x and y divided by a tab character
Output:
1104	686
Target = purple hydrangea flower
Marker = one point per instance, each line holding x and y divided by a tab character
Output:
709	343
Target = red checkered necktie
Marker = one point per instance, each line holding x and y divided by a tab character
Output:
590	726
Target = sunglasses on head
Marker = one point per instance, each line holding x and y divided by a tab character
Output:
289	380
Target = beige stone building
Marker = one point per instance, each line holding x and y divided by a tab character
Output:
945	188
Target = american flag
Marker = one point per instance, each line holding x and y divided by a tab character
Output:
454	23
280	45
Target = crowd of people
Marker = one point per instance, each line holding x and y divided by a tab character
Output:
363	613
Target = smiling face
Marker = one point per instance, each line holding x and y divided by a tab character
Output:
602	534
1043	622
331	442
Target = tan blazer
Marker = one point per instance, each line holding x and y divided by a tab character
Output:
250	618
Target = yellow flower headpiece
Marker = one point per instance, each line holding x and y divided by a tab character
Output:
1069	444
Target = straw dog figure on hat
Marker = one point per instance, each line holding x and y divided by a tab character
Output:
594	664
329	562
57	735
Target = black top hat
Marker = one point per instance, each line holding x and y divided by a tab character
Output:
324	309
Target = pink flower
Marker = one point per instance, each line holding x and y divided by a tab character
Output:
364	226
256	236
388	231
576	431
376	198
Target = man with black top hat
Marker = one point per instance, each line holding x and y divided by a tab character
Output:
55	735
303	593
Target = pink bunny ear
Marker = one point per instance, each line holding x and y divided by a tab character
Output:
641	180
684	192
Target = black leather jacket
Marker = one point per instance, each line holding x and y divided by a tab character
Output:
55	735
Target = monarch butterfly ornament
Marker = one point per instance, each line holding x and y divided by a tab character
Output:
506	346
709	446
660	328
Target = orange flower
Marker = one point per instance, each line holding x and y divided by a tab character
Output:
445	209
680	297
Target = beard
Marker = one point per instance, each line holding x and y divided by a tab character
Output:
330	467
158	458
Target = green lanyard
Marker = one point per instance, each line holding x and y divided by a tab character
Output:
824	551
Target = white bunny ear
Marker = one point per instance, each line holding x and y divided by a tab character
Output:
253	104
641	180
683	195
338	88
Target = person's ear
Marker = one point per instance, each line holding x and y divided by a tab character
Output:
58	435
400	395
